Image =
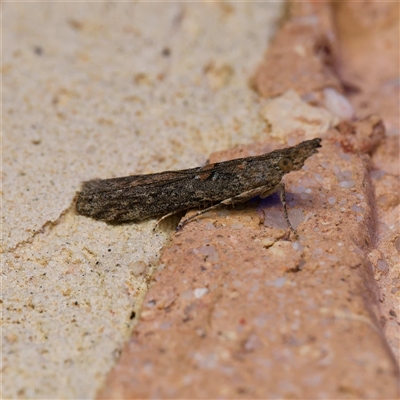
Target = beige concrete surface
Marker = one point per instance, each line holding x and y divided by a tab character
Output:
104	90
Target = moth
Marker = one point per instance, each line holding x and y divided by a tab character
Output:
138	197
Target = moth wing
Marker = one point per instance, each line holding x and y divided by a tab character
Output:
161	178
129	182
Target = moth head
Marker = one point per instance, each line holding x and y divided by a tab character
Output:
293	158
285	164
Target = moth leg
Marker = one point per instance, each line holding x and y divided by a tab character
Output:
282	195
165	216
268	191
241	198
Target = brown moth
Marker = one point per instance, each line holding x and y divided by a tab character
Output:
137	197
